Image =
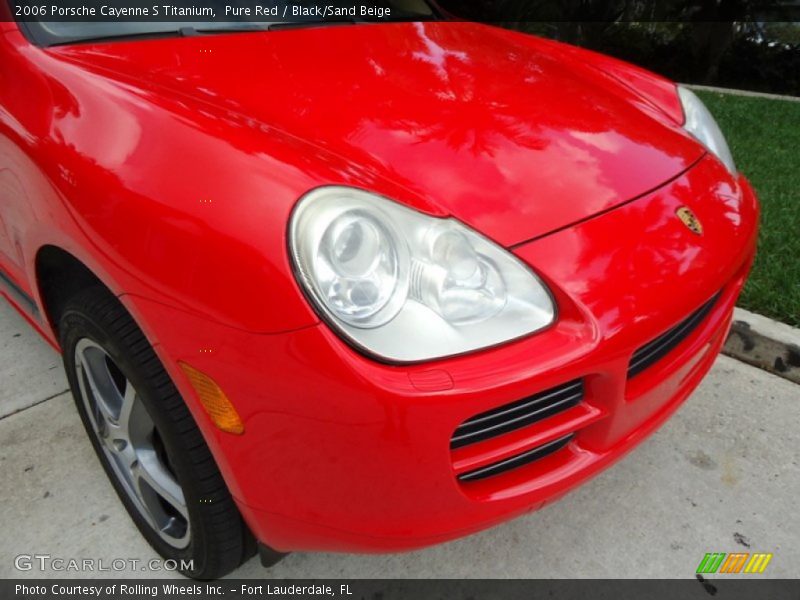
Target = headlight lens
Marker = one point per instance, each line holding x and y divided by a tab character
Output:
358	268
407	287
702	125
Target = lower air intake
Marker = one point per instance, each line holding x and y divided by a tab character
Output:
654	351
518	414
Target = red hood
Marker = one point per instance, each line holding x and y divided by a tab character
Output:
500	130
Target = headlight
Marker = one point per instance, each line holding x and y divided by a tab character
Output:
407	287
702	125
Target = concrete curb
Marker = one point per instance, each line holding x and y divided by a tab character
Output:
735	92
764	343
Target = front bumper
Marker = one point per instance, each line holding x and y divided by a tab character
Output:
342	453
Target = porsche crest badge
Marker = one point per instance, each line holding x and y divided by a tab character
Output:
689	219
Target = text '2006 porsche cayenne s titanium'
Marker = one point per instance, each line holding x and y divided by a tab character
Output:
364	287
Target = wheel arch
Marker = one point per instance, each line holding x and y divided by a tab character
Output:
59	276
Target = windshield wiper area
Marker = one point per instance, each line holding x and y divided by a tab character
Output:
161	34
296	24
204	29
141	35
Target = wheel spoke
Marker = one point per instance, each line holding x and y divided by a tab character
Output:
152	471
126	408
98	390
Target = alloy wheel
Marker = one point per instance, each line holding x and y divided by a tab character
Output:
131	443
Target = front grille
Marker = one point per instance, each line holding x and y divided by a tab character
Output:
653	351
516	461
518	414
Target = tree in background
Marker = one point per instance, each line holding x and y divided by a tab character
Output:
738	43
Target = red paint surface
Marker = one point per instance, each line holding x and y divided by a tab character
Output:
169	168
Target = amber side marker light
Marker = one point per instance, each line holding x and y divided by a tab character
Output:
214	400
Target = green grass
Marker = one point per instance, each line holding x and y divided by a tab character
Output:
764	136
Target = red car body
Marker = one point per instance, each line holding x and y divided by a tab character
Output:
170	169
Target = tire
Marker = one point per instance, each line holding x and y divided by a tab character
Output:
147	440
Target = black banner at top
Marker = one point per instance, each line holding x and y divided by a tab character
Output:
265	12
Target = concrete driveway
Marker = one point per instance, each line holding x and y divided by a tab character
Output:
721	476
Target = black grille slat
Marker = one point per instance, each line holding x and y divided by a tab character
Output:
647	354
655	350
516	461
519	414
